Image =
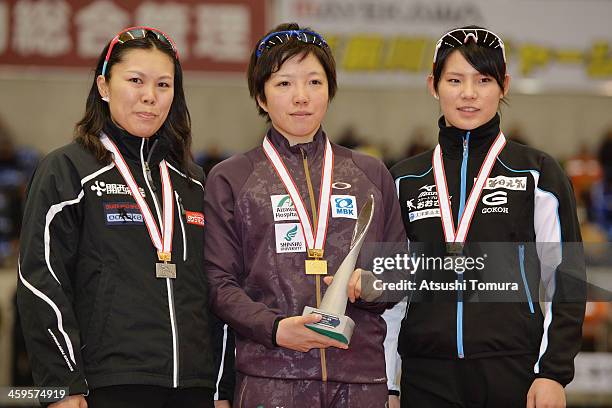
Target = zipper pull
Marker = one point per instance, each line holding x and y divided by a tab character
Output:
148	175
465	143
180	201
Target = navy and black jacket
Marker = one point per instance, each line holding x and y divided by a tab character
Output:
528	200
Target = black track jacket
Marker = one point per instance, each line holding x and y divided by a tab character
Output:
93	312
527	200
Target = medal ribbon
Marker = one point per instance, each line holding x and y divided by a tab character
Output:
470	207
161	241
316	239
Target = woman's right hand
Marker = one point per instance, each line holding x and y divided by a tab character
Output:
292	334
73	401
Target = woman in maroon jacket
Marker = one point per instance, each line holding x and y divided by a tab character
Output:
263	223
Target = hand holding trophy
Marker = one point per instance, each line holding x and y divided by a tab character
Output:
334	323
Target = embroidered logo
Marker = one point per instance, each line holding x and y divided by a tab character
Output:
495	202
339	185
100	187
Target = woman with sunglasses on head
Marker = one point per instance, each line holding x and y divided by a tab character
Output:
261	243
111	290
465	347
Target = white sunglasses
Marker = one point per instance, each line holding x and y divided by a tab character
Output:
461	36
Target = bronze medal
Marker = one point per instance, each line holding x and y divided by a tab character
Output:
165	270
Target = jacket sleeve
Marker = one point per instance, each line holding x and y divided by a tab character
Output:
562	268
393	361
223	257
224	351
49	245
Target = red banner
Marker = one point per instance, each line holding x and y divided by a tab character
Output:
210	35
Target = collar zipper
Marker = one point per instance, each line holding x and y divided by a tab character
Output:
464	163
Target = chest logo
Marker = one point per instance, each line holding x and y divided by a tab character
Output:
495	202
508	183
122	214
289	238
425	204
339	185
100	187
195	218
495	198
283	208
344	206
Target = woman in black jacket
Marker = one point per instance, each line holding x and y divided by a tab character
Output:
111	290
474	334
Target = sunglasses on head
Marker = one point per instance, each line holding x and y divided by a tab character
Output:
138	33
279	37
461	36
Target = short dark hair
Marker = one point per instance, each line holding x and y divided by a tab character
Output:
270	61
176	127
487	61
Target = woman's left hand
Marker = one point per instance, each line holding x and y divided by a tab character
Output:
545	393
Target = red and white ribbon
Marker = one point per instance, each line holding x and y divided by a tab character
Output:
162	236
446	214
314	239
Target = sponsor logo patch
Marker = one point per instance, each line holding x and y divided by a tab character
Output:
494	202
289	238
122	214
495	198
282	208
100	187
509	183
195	218
417	215
425	204
344	206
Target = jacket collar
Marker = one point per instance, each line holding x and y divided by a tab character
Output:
312	149
154	148
451	138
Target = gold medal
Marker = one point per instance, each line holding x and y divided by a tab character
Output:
316	267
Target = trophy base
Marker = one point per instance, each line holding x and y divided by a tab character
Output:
331	325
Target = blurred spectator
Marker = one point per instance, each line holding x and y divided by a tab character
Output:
602	191
417	142
209	159
584	171
517	135
16	167
348	138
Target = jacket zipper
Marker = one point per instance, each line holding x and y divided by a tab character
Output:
464	162
521	255
179	205
169	284
317	277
